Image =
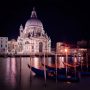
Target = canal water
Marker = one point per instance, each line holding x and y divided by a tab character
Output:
15	75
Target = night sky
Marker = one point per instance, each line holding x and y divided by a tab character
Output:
66	21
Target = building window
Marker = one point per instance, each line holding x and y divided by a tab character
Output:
5	45
40	47
1	45
27	42
32	47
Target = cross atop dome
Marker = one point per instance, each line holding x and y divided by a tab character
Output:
33	8
33	13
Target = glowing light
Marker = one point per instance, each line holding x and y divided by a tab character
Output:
75	60
66	50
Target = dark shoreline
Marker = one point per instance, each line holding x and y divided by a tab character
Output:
37	55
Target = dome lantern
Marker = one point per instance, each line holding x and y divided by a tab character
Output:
33	13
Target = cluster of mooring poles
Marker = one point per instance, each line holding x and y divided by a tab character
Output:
66	66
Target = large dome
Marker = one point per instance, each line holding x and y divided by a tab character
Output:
33	21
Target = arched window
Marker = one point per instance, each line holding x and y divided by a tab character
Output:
27	42
40	47
29	35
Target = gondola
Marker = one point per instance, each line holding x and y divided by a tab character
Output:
50	74
70	71
59	70
83	72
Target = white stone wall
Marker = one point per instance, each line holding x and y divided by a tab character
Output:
34	33
34	42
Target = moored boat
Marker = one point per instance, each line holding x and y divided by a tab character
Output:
84	70
84	73
52	75
70	71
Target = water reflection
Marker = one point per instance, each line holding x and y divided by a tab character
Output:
36	62
61	61
10	78
17	74
24	72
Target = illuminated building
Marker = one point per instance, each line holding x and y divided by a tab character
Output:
33	38
12	46
60	47
3	45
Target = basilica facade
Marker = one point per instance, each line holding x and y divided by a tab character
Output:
32	38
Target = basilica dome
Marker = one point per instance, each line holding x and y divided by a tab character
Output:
33	21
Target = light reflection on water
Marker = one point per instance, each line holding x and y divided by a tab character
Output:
10	77
15	72
61	62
